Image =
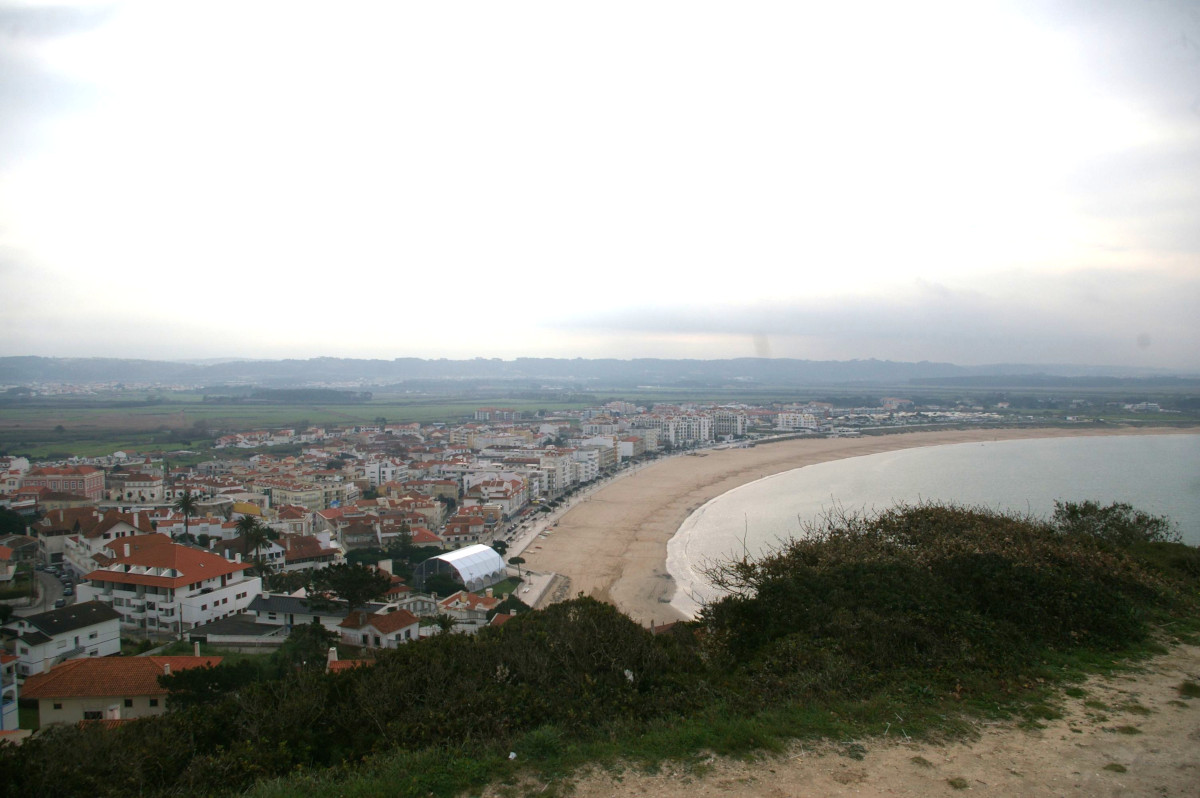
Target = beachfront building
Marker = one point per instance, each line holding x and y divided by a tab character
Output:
794	421
730	421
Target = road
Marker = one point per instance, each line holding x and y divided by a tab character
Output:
51	590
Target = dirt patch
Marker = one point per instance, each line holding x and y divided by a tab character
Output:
1078	754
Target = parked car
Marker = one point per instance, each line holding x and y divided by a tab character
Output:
68	591
60	603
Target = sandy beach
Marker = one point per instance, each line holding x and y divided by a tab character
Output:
612	544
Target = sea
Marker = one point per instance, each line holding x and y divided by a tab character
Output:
1159	474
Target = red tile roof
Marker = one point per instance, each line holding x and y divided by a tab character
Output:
385	623
467	600
157	551
300	547
108	676
70	471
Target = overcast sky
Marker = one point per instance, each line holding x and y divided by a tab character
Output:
972	182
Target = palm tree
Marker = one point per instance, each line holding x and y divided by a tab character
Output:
445	622
254	532
187	503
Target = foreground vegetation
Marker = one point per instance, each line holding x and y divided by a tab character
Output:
908	622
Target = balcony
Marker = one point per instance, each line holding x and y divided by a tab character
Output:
70	654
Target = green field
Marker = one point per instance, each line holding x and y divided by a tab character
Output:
57	427
61	427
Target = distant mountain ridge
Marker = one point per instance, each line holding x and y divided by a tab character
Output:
579	372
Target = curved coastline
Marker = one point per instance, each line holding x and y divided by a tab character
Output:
613	545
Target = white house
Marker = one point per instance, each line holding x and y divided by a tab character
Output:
162	586
380	630
88	629
111	688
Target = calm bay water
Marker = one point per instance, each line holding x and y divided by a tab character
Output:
1156	473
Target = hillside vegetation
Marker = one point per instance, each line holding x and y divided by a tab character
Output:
924	614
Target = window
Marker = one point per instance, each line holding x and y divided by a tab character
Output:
57	705
93	635
128	702
153	702
203	607
93	714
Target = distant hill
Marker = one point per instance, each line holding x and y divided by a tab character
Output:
576	372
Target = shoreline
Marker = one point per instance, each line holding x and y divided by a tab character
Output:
612	544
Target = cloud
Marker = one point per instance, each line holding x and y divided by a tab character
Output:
1090	316
31	93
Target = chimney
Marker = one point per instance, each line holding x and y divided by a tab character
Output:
197	648
166	669
126	549
489	592
331	657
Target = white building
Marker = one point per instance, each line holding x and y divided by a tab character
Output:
9	692
475	567
88	629
795	421
160	586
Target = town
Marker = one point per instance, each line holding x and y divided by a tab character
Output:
379	534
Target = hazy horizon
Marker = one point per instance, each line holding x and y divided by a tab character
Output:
995	182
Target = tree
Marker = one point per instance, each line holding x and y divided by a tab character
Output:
288	581
11	523
306	647
6	612
445	623
187	503
517	561
403	544
254	532
500	547
209	684
355	584
441	585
